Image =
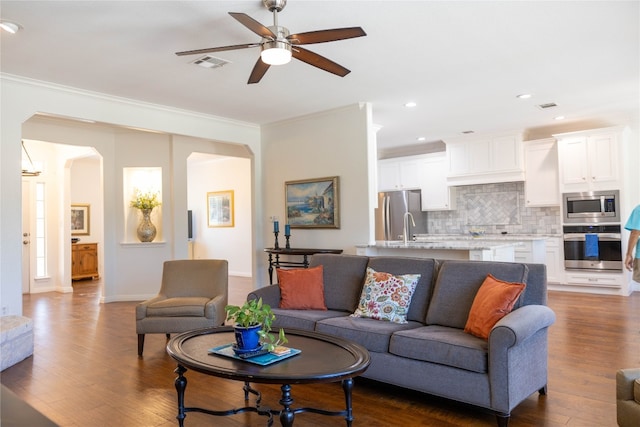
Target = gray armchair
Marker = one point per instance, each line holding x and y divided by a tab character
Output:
192	295
628	397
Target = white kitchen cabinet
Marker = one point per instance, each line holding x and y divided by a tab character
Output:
589	160
541	173
402	173
436	193
485	160
596	279
554	260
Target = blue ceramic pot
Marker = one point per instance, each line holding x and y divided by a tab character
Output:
248	338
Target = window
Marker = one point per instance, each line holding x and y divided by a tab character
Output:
41	260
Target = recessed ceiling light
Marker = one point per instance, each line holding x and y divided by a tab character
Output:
524	96
10	27
558	118
421	138
410	104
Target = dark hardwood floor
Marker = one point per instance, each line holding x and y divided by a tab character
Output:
85	371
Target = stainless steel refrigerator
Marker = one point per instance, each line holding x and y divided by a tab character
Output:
392	206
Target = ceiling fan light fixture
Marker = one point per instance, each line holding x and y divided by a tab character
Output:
276	52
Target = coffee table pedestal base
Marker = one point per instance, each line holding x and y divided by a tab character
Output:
286	414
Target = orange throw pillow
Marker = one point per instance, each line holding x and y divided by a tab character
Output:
494	300
301	289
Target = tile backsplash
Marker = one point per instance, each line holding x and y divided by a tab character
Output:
495	208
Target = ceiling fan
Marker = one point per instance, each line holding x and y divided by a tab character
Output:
278	45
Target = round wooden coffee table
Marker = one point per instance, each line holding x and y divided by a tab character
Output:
322	359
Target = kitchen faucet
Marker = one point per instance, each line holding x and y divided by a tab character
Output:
405	223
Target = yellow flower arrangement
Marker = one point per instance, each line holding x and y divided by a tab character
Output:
148	200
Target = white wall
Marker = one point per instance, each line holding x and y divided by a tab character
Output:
123	278
331	143
231	243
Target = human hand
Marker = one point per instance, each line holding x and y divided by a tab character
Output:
628	262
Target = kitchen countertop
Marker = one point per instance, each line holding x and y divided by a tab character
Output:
459	242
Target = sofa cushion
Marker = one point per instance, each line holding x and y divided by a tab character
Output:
343	277
494	300
301	289
442	345
372	334
178	307
457	285
303	319
386	296
424	267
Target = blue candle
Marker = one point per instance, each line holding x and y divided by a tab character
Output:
276	228
287	230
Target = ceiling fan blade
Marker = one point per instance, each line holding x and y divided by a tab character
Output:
253	25
258	71
319	61
323	36
217	49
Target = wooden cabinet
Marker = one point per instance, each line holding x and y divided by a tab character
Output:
589	160
485	160
84	261
402	173
541	187
436	193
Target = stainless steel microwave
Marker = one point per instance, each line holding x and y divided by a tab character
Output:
591	207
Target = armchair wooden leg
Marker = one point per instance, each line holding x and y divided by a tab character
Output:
140	344
543	390
168	336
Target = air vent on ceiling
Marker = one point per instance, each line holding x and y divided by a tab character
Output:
547	105
209	61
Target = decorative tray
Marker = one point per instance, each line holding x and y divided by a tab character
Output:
262	359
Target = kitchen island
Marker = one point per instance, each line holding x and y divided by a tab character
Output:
439	246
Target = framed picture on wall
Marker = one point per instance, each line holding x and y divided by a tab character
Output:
220	209
80	219
312	203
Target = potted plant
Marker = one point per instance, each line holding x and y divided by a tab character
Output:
252	323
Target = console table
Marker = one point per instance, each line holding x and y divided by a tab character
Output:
275	262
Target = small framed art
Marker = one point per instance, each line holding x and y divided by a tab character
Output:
220	209
80	219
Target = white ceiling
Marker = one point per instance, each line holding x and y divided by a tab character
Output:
462	62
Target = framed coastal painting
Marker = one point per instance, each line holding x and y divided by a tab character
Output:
80	219
220	209
313	203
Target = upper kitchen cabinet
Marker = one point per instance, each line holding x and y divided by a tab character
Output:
401	173
541	173
436	193
485	160
589	160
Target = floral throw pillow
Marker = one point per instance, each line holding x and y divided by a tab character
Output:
386	297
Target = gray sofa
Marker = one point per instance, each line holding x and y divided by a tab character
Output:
431	353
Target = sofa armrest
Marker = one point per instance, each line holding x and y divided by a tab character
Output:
624	383
214	309
520	324
518	353
269	294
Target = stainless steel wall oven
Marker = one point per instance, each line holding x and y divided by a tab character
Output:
592	247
